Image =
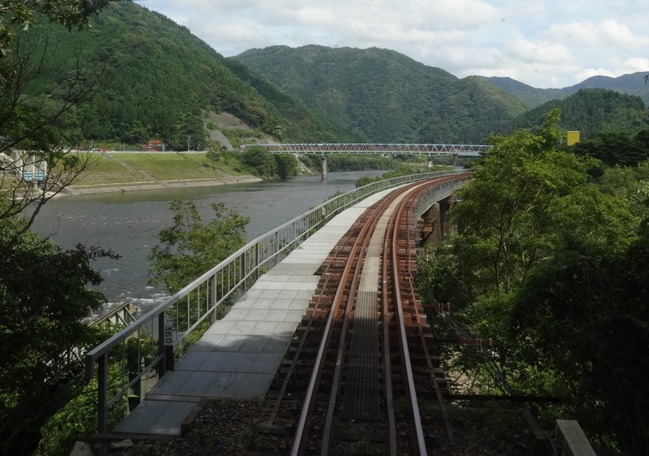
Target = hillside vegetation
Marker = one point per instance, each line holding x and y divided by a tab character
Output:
154	79
593	112
386	95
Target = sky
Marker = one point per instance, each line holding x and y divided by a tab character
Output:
545	44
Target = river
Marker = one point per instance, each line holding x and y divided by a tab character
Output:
128	223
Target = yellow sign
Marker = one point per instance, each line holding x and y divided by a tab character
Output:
572	138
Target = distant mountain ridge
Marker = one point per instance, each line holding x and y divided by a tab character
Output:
158	81
386	95
391	98
631	84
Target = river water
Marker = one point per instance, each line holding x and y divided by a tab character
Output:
128	223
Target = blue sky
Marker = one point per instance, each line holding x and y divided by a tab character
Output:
541	43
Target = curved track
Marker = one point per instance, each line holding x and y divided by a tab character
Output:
361	367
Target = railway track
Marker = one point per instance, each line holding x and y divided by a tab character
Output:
361	376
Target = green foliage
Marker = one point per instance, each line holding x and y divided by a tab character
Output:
45	296
399	169
631	185
615	148
77	420
287	166
359	162
261	162
630	84
553	269
190	247
27	14
586	313
593	112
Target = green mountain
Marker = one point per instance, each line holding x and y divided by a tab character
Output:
153	79
630	84
592	112
158	81
386	95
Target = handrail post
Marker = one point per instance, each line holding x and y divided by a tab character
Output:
256	261
242	270
213	297
165	346
102	394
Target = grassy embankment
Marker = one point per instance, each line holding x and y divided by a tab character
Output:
129	171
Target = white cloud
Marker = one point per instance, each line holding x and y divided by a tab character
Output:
544	43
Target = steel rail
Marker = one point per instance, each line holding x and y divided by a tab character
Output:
364	239
424	346
387	306
317	373
418	437
299	439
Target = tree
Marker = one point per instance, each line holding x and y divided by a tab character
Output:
287	166
36	162
25	14
508	214
530	220
615	149
45	293
585	313
260	161
45	297
189	247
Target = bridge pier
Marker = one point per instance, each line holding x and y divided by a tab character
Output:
323	175
434	226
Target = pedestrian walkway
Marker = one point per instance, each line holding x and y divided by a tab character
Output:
239	355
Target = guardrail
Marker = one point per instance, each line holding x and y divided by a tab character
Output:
125	365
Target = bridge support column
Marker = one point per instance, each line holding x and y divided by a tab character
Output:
430	226
323	175
434	222
444	206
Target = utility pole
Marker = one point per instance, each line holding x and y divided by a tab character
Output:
188	137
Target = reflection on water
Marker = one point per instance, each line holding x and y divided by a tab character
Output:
128	223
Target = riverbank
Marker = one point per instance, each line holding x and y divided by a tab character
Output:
154	185
119	172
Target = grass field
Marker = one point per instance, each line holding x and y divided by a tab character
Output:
147	168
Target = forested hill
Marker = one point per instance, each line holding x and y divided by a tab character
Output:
592	112
158	81
387	95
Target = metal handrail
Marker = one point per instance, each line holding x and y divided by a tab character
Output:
134	352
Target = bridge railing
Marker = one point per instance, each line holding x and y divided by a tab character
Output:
128	363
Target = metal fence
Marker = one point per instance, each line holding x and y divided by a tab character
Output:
125	366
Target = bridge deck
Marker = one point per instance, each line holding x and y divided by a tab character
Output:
239	355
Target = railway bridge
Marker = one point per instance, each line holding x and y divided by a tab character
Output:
325	149
323	322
